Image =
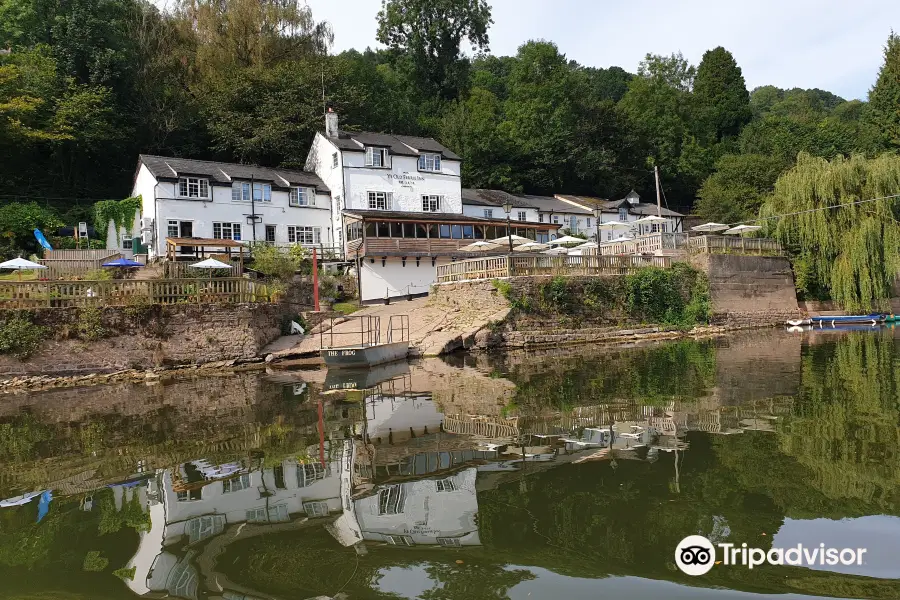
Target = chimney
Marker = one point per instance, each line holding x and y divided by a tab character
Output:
331	123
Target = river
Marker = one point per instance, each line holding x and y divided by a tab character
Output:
562	474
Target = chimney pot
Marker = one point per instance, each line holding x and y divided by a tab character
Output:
331	123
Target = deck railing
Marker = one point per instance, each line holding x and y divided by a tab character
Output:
705	244
715	244
525	265
127	292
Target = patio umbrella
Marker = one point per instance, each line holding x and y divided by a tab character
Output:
210	264
621	238
123	263
566	239
559	250
739	229
20	264
587	245
650	220
531	247
480	246
516	240
710	227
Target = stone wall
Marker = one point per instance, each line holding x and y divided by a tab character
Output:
470	295
149	336
749	291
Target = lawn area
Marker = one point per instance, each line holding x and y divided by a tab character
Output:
14	276
346	307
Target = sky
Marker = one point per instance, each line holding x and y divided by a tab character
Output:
835	45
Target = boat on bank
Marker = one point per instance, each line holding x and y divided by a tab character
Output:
344	351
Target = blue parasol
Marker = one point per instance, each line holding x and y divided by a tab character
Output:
122	263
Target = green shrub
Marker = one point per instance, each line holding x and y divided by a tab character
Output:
89	325
20	337
94	562
124	573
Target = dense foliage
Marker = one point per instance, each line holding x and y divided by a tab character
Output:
90	84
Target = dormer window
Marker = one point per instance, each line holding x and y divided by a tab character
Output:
376	157
623	214
301	196
193	187
430	162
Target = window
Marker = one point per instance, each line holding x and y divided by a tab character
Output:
445	485
240	191
127	243
399	540
262	192
278	475
193	187
304	234
376	157
623	214
227	231
270	233
315	509
430	162
556	219
431	203
588	222
390	500
379	201
202	528
488	213
237	484
172	229
310	473
190	495
275	514
573	224
658	227
522	215
448	542
540	217
301	196
334	160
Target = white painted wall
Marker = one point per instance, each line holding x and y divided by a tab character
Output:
223	210
386	414
114	242
395	280
474	210
427	513
320	161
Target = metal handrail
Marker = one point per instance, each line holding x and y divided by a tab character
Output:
403	328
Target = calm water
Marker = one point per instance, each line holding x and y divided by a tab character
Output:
556	475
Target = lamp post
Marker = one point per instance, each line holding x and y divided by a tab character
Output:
507	206
598	212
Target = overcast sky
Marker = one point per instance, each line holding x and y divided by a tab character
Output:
835	45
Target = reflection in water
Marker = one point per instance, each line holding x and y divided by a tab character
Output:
489	478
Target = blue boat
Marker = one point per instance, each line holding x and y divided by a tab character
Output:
871	319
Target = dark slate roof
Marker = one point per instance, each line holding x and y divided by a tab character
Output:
551	204
169	168
401	145
387	215
492	198
642	208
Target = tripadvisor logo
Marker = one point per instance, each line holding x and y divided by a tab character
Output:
696	555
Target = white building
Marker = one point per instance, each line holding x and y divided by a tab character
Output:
184	198
627	210
489	205
397	206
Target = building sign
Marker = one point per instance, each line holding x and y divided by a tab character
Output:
406	180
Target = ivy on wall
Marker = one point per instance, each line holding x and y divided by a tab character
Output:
120	212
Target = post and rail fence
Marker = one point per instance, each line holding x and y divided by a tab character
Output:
129	292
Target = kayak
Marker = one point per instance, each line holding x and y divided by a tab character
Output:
873	319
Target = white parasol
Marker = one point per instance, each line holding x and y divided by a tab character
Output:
739	229
710	227
20	264
531	247
566	239
481	246
516	240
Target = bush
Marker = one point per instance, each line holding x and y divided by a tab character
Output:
277	263
124	573
94	562
89	326
20	337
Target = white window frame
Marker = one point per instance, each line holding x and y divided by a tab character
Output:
383	198
445	485
237	484
193	187
309	473
523	215
176	225
489	213
127	243
273	229
275	514
316	509
430	162
302	196
381	162
240	191
233	231
391	499
432	203
262	192
207	526
449	542
304	234
399	540
556	219
185	496
623	215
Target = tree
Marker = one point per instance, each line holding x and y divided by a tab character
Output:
736	190
884	97
720	95
852	252
429	34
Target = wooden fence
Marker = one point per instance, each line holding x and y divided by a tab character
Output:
62	263
129	292
707	244
717	244
183	270
525	265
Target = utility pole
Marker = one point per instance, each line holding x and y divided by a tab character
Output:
658	201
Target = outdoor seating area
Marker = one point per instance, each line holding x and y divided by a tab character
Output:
542	264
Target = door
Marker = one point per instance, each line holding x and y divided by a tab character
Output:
186	230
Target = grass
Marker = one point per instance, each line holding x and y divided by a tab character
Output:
14	276
346	307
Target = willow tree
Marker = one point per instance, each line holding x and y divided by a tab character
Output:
850	250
